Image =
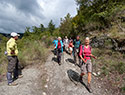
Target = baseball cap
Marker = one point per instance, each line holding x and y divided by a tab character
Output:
14	34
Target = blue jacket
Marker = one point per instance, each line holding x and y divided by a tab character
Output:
56	43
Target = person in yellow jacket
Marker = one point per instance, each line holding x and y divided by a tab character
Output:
13	62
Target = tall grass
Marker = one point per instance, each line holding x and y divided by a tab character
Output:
34	52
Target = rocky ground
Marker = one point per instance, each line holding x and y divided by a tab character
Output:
52	79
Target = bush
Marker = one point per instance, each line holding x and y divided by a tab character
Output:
120	67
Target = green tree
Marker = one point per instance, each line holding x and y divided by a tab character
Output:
42	28
101	12
66	26
35	29
27	31
51	27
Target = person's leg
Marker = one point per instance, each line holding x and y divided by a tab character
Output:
10	68
79	60
16	69
89	77
55	52
83	71
19	68
75	55
89	81
81	75
70	51
9	78
60	56
89	69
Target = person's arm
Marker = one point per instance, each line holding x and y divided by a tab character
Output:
82	59
11	46
93	56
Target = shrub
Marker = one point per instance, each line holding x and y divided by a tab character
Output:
120	67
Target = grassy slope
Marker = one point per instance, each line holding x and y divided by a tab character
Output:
111	64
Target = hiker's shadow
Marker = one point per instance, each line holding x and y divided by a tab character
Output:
54	59
70	60
53	51
75	78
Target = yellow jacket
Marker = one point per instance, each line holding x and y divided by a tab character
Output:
12	46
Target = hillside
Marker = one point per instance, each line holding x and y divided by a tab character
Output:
101	20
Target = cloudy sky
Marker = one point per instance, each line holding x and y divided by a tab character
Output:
15	15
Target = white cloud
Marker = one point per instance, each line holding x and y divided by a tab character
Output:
56	9
15	15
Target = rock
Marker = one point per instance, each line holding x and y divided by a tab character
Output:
108	43
46	86
94	74
47	79
99	86
99	73
44	93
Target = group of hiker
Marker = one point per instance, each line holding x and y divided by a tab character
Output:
81	54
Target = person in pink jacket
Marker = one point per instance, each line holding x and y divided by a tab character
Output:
85	55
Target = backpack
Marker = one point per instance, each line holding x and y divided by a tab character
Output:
76	43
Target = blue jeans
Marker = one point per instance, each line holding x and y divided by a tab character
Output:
9	77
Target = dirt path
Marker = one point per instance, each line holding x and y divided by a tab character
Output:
64	79
28	85
52	79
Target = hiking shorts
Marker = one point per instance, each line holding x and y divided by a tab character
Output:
86	67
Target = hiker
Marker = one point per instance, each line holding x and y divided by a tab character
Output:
85	55
76	50
59	47
71	47
13	68
66	43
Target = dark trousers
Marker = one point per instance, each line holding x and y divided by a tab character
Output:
76	56
59	55
13	68
55	51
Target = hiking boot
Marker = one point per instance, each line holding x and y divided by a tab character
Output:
12	84
89	87
59	63
20	76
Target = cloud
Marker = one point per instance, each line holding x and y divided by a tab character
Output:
15	15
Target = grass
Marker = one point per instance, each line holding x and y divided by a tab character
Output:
123	89
111	64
